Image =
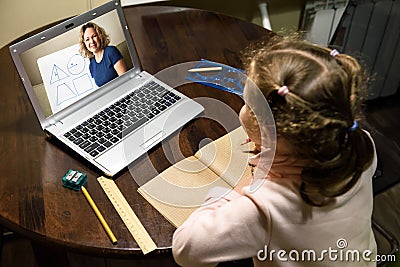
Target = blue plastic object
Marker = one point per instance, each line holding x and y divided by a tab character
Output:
228	79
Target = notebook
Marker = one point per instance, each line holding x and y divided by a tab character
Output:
110	125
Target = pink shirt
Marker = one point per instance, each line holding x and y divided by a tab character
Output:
277	228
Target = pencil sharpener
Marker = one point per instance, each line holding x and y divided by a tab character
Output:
74	180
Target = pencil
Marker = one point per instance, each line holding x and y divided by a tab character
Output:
101	218
205	69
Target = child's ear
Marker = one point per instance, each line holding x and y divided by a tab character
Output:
250	124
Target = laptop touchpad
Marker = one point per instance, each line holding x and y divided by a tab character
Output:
152	135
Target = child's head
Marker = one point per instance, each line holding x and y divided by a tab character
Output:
315	95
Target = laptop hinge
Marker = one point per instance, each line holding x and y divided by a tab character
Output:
55	128
54	124
57	123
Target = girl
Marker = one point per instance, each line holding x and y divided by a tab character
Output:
314	206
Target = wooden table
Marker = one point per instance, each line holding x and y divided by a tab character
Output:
33	201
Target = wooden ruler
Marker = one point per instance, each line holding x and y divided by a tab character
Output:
127	215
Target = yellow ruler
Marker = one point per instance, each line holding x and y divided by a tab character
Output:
127	215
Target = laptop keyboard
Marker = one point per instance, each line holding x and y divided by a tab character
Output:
99	133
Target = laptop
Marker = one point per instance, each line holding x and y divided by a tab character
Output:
110	125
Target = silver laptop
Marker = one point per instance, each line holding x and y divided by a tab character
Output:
109	125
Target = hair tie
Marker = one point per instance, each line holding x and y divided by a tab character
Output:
353	127
283	90
334	53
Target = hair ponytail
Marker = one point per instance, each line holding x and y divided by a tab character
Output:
324	181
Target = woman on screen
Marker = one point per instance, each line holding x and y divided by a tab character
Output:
106	61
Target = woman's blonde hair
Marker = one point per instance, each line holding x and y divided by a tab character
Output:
101	33
317	113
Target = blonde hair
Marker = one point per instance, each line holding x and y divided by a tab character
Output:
101	33
316	114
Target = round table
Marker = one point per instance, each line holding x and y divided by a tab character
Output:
33	201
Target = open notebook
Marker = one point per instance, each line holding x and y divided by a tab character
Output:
182	188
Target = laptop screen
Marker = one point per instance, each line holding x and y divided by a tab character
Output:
61	69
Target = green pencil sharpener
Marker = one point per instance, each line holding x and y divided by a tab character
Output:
74	180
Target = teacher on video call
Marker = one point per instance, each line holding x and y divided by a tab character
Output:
106	61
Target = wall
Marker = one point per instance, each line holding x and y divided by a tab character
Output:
284	14
18	17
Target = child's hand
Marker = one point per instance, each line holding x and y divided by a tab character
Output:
245	181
